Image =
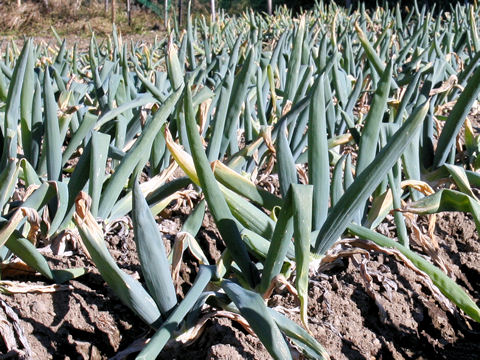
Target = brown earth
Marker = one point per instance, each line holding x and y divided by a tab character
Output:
403	319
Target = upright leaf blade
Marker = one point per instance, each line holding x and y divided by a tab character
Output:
371	131
98	160
142	145
12	111
365	183
281	239
165	332
287	172
456	119
215	200
53	145
318	162
302	196
152	254
254	310
129	290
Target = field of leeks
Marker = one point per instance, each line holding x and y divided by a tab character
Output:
343	112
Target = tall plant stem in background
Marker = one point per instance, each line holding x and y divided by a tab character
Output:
212	7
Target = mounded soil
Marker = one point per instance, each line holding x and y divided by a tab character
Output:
390	313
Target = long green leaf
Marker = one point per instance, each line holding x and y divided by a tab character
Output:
26	105
446	200
281	238
456	119
53	143
302	199
302	338
295	61
8	181
254	310
215	200
165	332
129	290
244	187
365	183
446	285
238	94
12	111
152	254
287	172
318	162
26	251
142	145
371	130
112	114
98	160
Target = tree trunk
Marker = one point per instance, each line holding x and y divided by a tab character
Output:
179	12
129	13
106	7
166	13
212	6
269	7
114	13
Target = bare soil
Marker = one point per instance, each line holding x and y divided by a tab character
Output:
402	320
